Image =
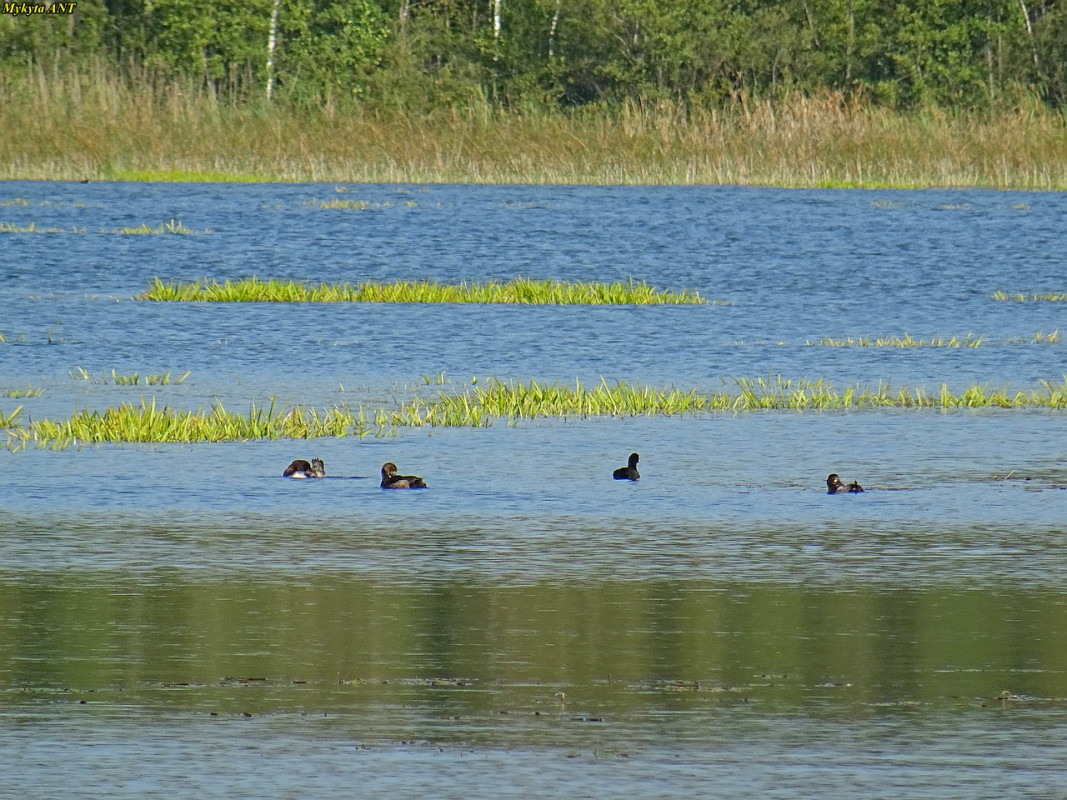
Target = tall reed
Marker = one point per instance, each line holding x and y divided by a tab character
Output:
145	127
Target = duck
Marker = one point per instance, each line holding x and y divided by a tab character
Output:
302	469
629	472
390	480
834	485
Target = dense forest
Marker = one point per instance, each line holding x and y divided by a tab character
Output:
417	55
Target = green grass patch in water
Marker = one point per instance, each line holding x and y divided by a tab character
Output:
133	379
482	404
29	391
148	422
516	291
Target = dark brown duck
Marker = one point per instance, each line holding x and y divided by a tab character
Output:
629	472
390	480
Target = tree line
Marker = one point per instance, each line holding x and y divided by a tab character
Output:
524	54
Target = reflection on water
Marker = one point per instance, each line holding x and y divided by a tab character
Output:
528	625
770	687
624	648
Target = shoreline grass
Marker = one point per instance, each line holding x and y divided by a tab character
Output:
91	124
496	400
523	291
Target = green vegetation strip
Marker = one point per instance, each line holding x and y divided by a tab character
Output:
481	405
148	423
518	290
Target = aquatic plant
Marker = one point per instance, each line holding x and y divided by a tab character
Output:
29	391
133	379
517	291
1020	297
907	340
343	205
8	420
480	405
148	422
10	227
172	227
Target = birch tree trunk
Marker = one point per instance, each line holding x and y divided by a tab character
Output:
1029	29
496	29
272	40
552	30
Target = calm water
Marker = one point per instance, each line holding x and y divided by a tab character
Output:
181	620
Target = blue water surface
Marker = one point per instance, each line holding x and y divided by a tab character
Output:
963	508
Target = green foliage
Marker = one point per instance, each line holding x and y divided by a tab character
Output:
449	54
325	48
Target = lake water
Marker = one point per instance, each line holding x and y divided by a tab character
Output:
182	621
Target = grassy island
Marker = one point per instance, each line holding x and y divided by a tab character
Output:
517	291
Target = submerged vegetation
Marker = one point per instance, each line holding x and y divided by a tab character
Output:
1019	297
174	227
518	290
907	340
480	405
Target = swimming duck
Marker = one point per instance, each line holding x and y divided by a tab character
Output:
298	469
834	485
302	469
390	480
629	472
